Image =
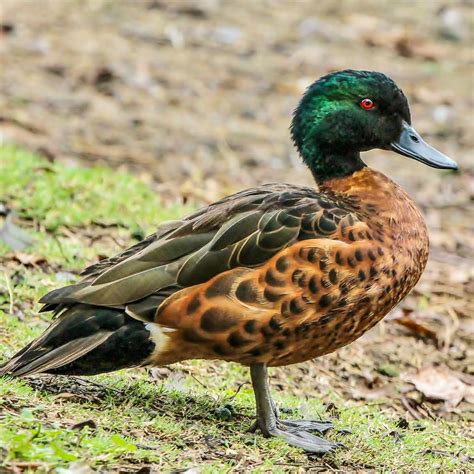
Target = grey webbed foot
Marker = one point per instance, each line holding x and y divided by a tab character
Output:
301	437
307	425
295	432
298	425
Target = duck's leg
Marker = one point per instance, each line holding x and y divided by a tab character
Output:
296	433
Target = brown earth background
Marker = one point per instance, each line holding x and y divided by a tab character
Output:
196	98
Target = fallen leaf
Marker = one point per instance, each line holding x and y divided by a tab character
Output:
409	47
370	395
82	424
417	327
441	384
29	260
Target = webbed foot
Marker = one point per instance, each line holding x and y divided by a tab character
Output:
295	432
307	425
300	436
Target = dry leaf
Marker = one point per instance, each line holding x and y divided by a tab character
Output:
440	383
416	327
370	395
91	424
29	259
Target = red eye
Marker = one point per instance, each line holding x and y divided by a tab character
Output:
367	104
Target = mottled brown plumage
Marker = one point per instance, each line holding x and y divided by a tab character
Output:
270	276
314	296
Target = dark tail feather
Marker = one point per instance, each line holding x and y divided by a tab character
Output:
84	340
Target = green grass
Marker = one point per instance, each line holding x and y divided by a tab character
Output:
137	420
55	195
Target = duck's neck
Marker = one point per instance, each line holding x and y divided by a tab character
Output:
333	164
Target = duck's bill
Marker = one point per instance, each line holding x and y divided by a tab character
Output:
412	145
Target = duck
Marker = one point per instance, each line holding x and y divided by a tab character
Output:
270	276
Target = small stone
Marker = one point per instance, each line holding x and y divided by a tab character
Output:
227	34
452	25
441	114
223	413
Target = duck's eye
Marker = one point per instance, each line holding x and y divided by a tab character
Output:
367	104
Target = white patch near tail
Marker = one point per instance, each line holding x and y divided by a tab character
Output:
160	336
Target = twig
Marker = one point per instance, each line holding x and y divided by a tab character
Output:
60	246
85	382
406	403
10	292
20	123
196	379
238	390
450	331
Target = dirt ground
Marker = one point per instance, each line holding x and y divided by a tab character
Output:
196	98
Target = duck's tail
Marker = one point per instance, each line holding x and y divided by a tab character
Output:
84	340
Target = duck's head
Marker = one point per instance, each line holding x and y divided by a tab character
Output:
349	111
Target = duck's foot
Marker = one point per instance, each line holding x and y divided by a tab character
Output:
298	425
294	432
300	437
307	425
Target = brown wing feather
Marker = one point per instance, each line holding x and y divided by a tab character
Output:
246	229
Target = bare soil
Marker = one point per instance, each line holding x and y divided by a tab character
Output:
196	97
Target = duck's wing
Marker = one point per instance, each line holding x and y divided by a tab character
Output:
94	270
242	230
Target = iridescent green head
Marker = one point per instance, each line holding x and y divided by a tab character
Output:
349	111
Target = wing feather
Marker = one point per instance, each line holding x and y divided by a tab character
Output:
243	230
60	356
